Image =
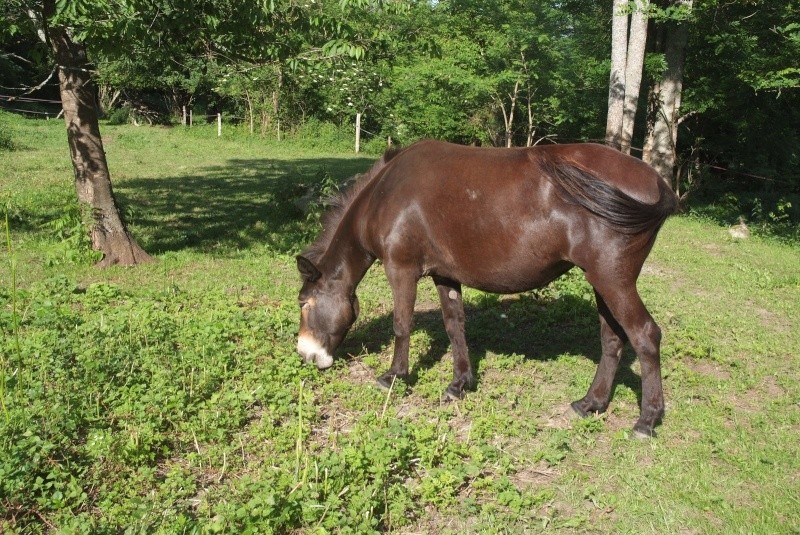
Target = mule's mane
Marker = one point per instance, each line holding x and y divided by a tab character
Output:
340	202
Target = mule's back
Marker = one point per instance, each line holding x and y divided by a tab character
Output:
503	220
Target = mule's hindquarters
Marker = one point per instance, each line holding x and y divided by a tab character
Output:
612	259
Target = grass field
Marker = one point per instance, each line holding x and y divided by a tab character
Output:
168	398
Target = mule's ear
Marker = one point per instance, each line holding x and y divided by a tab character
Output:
307	269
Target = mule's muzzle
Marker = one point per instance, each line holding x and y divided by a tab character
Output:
313	352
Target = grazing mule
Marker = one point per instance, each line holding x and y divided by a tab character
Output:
499	220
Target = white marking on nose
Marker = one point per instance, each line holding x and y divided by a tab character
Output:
453	294
312	351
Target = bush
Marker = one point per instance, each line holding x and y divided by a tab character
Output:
6	139
317	134
119	116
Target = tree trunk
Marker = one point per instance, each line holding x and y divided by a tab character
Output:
92	179
660	148
508	117
616	81
531	128
653	94
637	41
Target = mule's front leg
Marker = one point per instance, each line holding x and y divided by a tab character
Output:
453	313
404	293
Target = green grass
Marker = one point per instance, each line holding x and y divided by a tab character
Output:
168	398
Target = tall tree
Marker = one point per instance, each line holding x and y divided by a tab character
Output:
629	39
109	233
660	148
616	81
637	41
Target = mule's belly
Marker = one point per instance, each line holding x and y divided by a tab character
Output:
514	275
503	286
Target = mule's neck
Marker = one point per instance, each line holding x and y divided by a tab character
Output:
346	259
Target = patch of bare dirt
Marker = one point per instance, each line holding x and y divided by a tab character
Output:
561	417
713	249
772	388
654	270
534	475
771	320
709	368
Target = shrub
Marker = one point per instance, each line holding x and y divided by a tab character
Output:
119	116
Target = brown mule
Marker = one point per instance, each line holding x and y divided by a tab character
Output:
499	220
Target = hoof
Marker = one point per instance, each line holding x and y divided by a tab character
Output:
385	380
641	432
453	393
458	388
583	408
576	407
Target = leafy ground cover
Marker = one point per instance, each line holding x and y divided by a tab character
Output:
168	398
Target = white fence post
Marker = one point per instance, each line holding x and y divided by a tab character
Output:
219	124
183	120
358	132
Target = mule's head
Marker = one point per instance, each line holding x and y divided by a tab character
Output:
327	310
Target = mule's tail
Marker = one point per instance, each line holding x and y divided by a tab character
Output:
615	207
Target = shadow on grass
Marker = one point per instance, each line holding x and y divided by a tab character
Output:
241	204
539	330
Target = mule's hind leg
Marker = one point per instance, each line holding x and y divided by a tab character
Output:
404	293
612	338
627	309
453	314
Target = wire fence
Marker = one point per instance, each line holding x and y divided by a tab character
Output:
15	104
7	101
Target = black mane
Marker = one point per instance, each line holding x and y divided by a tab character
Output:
339	204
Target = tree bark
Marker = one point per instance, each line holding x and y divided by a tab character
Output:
508	116
662	138
637	41
531	127
616	81
109	234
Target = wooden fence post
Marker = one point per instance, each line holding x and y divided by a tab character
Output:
190	118
183	120
358	132
219	124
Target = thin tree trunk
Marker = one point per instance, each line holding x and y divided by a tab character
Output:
616	81
531	129
508	118
637	41
249	109
92	179
653	94
663	136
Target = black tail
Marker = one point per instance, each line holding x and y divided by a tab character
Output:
618	209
